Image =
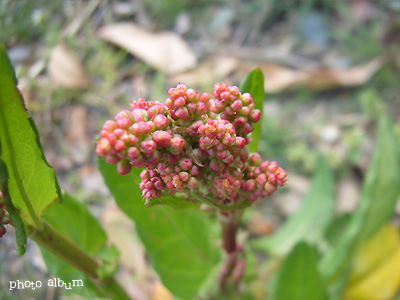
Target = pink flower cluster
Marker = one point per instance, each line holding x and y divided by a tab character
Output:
236	108
3	216
192	142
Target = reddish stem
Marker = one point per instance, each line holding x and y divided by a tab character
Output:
229	230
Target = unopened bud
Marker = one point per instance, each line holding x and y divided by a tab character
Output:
162	138
124	167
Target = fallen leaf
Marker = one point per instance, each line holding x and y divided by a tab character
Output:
376	274
214	68
161	293
354	76
65	69
164	51
278	78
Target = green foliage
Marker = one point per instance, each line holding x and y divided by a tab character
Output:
311	219
379	194
32	183
20	234
24	21
298	277
254	85
67	229
179	243
74	221
174	201
373	107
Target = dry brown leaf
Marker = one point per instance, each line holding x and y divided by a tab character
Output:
215	68
65	69
278	78
164	51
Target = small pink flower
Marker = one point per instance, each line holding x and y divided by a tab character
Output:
162	138
255	116
124	167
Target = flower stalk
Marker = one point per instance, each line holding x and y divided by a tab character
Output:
50	239
232	270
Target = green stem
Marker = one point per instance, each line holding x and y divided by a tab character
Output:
50	239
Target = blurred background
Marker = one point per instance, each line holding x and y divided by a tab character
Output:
331	69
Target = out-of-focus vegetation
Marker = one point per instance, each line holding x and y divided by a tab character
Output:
331	71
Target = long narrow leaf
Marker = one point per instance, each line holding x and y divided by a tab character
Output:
378	199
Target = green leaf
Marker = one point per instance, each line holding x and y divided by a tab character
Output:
20	234
74	221
298	277
179	243
173	201
336	228
254	85
310	221
378	199
32	182
381	187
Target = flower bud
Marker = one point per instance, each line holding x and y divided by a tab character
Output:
261	179
240	142
148	147
110	125
245	111
184	176
182	113
124	167
192	183
185	163
236	106
191	95
194	171
139	115
162	138
177	144
247	99
133	153
119	145
201	109
255	116
169	103
270	188
112	158
103	147
255	159
156	110
272	179
239	121
250	185
179	102
273	166
161	122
